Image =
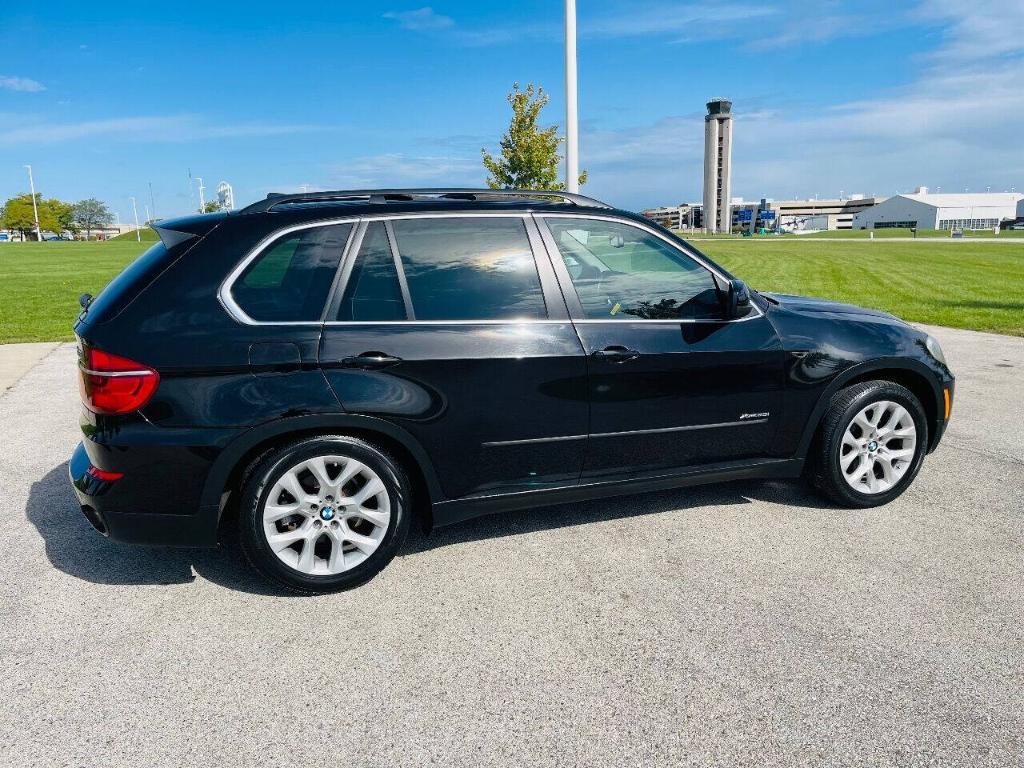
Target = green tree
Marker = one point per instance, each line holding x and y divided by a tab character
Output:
17	214
90	214
212	206
529	154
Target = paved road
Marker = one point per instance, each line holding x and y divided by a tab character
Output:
742	624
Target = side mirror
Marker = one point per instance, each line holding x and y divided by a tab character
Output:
737	300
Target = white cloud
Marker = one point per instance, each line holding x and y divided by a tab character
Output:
11	83
390	170
167	128
421	19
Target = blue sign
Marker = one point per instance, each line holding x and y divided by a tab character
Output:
745	214
767	215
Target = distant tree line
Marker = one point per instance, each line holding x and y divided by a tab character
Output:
55	215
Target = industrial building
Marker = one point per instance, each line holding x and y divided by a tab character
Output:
803	215
682	216
925	210
718	166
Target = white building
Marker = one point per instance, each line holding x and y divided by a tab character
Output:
924	210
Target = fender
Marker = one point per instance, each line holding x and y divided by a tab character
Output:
857	371
227	461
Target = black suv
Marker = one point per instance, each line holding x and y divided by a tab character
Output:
328	366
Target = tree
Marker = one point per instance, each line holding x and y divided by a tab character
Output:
529	154
90	214
17	214
212	206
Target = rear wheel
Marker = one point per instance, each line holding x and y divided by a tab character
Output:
324	514
870	445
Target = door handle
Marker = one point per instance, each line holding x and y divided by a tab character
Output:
370	360
617	354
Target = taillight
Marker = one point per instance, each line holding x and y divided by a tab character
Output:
113	384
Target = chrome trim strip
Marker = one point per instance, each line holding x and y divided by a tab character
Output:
115	374
688	428
239	315
534	440
661	430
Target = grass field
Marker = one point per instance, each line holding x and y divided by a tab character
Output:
978	286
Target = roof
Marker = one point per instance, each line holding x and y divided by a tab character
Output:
967	199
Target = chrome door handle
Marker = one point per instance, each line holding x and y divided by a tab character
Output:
370	360
616	354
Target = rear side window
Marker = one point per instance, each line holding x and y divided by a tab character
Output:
471	268
126	286
290	280
373	292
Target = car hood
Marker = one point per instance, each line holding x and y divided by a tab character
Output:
823	307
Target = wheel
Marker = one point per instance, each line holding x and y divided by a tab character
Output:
324	513
870	445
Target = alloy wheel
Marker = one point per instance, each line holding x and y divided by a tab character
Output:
326	515
878	447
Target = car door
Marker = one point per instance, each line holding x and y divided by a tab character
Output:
672	383
451	328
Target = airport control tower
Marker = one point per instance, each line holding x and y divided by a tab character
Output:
718	166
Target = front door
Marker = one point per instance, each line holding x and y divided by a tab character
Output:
450	328
672	384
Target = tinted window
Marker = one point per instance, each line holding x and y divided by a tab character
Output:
373	291
469	268
290	280
623	273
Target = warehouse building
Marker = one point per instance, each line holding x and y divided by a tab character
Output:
925	210
803	215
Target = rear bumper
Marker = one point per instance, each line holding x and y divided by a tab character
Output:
156	501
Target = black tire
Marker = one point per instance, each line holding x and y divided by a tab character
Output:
261	480
825	472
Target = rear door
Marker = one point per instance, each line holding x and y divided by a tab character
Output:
672	384
448	326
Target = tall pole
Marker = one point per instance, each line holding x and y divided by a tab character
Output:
152	202
35	208
202	200
135	210
572	146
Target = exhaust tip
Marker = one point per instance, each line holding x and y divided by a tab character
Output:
95	519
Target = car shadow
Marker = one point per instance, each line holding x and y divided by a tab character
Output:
76	549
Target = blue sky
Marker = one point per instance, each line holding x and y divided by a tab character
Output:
867	96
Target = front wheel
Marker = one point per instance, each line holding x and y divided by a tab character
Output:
871	444
324	513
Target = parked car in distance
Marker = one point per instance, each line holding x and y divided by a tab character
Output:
329	368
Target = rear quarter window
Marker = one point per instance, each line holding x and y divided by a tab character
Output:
120	291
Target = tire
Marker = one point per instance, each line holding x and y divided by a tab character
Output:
842	464
302	538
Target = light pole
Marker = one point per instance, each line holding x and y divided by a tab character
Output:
135	210
572	146
202	201
35	208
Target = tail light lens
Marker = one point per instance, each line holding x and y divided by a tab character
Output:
112	384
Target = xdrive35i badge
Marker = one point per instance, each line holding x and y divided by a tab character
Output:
745	416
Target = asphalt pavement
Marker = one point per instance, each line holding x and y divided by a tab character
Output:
743	624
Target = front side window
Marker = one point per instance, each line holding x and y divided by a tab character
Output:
622	272
469	268
290	280
373	292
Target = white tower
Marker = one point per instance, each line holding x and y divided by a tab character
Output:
718	166
226	196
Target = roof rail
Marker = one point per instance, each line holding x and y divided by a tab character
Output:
275	199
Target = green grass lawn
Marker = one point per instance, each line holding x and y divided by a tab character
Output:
979	286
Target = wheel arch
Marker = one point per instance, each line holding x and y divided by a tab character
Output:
241	455
913	375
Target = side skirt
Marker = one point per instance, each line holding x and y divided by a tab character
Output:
459	510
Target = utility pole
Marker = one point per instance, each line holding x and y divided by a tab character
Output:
202	200
152	202
135	210
572	146
35	208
